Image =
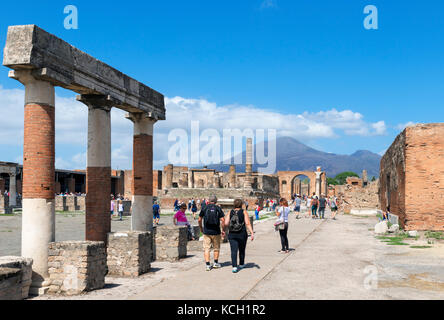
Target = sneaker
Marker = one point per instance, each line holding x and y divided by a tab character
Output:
235	270
208	268
217	266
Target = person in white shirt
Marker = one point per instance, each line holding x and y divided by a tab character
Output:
282	212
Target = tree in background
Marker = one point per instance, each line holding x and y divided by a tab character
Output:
332	181
342	177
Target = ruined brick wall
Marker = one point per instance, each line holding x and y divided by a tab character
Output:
184	195
128	182
157	182
424	185
70	203
412	174
270	184
354	197
392	178
2	186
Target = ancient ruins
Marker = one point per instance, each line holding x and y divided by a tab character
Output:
410	186
412	177
41	61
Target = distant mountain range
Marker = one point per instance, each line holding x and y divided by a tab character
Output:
293	155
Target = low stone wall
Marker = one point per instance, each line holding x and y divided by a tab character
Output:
171	243
76	266
10	288
70	203
15	277
129	253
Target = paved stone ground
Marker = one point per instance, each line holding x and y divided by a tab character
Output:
329	260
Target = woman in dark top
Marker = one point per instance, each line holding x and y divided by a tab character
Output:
237	224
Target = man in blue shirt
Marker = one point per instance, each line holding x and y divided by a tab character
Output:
156	213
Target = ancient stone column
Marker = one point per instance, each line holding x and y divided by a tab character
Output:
169	176
12	190
232	176
318	181
249	165
190	178
38	218
98	170
142	184
364	177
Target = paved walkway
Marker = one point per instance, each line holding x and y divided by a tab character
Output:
330	260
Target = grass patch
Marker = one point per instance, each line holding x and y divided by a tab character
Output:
395	240
6	231
7	215
420	247
438	235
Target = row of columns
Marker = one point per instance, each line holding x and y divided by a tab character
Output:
38	221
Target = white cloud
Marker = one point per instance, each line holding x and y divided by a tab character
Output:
72	119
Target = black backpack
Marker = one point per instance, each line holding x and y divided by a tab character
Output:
235	224
212	216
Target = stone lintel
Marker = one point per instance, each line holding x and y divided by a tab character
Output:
51	59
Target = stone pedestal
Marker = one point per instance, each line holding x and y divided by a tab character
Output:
129	253
171	243
76	266
15	282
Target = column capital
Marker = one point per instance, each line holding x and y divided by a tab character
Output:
140	116
97	101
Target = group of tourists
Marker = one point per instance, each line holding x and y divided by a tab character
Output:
117	204
315	205
214	225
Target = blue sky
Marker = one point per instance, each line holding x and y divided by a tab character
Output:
283	57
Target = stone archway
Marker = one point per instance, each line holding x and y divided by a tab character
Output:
317	184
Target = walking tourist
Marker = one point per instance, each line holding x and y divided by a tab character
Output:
120	210
237	223
334	207
156	213
297	205
257	210
308	206
246	205
282	224
194	209
314	207
322	205
176	205
210	221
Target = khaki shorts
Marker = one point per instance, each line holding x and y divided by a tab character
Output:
211	241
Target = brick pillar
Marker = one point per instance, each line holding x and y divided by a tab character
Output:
169	176
38	218
98	171
232	176
142	182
